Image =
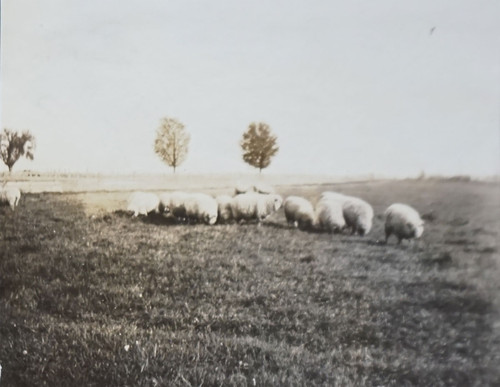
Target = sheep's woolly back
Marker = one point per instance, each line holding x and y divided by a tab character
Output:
10	196
333	195
143	203
242	188
224	203
403	221
329	215
299	211
264	188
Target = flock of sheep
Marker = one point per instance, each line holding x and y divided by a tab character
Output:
334	212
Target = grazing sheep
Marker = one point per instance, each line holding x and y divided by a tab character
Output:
224	213
253	205
358	214
143	203
174	203
201	207
329	216
242	188
299	212
10	196
403	221
263	188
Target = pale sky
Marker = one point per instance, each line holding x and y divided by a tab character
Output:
349	87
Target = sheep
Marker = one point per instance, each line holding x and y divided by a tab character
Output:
358	214
299	212
329	215
253	205
143	203
201	207
10	196
403	221
242	188
263	188
174	203
224	213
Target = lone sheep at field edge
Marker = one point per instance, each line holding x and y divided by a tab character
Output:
299	212
255	206
143	203
10	196
403	221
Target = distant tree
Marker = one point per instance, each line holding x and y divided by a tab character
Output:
13	145
259	145
172	142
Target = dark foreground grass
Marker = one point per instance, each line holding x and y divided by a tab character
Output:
107	300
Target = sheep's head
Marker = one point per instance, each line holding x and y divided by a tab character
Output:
364	226
211	219
163	207
419	230
306	224
415	230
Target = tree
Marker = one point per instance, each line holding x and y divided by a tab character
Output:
172	142
13	145
259	145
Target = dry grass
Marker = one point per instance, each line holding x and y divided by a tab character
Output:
95	299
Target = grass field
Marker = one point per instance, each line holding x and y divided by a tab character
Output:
95	298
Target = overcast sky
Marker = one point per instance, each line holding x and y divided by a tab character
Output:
349	87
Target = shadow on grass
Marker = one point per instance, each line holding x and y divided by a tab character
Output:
442	260
152	218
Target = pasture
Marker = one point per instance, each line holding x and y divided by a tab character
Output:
92	297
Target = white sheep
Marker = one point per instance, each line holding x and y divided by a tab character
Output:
174	203
299	212
253	205
403	221
10	196
201	207
242	187
358	214
225	213
329	215
263	188
143	203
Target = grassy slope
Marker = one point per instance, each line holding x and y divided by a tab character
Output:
110	300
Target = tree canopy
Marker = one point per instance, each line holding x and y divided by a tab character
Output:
172	142
259	145
14	145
